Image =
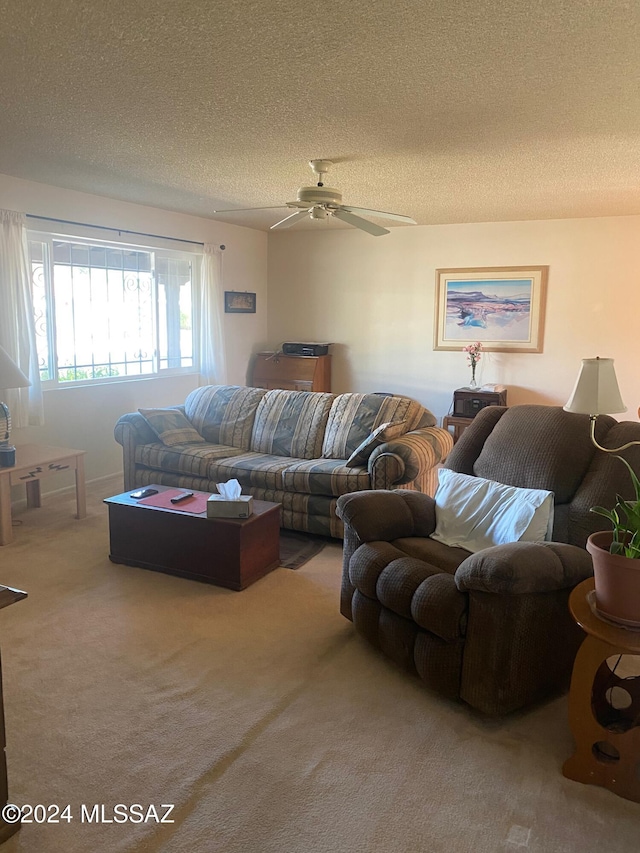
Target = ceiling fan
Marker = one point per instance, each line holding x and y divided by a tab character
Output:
320	202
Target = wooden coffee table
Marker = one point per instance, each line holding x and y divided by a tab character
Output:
228	552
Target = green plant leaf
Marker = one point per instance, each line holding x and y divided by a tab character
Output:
625	520
634	478
600	510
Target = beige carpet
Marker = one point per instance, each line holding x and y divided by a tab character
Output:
260	715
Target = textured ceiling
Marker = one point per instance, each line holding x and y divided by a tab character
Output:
446	111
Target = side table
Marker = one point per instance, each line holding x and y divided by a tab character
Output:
459	425
604	709
33	462
8	596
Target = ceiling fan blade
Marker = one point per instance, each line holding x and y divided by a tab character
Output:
362	224
290	220
245	209
366	212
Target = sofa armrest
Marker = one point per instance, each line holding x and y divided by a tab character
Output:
386	515
131	430
133	427
524	567
415	454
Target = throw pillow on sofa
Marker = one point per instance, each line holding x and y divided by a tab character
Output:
383	433
475	514
171	426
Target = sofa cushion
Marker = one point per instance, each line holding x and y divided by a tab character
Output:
260	470
380	435
291	423
353	417
171	426
429	551
188	459
324	477
224	414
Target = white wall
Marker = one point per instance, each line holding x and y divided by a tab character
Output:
83	417
375	298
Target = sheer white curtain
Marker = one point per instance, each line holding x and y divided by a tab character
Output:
17	325
213	365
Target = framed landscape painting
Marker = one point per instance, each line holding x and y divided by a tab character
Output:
502	307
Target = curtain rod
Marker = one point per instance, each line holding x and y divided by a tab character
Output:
117	230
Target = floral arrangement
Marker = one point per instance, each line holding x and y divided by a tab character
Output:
474	354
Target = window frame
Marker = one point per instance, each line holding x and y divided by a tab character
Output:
47	238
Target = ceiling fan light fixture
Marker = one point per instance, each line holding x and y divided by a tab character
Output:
318	213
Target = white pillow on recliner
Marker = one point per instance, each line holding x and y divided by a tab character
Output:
475	514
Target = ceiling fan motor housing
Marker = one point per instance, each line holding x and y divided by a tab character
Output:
319	195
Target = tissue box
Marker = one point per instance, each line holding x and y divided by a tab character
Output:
221	507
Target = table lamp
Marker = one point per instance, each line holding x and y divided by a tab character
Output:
10	377
596	393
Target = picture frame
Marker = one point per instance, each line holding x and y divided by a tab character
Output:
502	307
239	302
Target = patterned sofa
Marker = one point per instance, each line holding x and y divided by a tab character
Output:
299	448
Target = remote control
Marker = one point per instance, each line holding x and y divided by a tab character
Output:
180	498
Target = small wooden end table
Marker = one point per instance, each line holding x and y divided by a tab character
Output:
604	709
33	463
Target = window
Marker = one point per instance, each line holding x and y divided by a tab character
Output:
108	311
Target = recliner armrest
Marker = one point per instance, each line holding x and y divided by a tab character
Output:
524	567
386	515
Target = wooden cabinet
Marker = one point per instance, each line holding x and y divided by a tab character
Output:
294	372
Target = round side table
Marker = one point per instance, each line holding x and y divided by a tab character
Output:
604	708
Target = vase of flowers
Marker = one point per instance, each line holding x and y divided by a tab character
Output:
616	559
473	352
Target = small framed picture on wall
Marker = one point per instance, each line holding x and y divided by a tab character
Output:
239	302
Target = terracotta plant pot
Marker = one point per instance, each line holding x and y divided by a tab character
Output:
617	581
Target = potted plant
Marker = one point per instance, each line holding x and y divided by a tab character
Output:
616	559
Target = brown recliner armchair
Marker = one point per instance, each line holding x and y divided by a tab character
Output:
491	628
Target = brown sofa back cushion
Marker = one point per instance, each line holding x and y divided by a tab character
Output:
539	447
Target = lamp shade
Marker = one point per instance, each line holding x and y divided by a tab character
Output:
596	392
10	374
